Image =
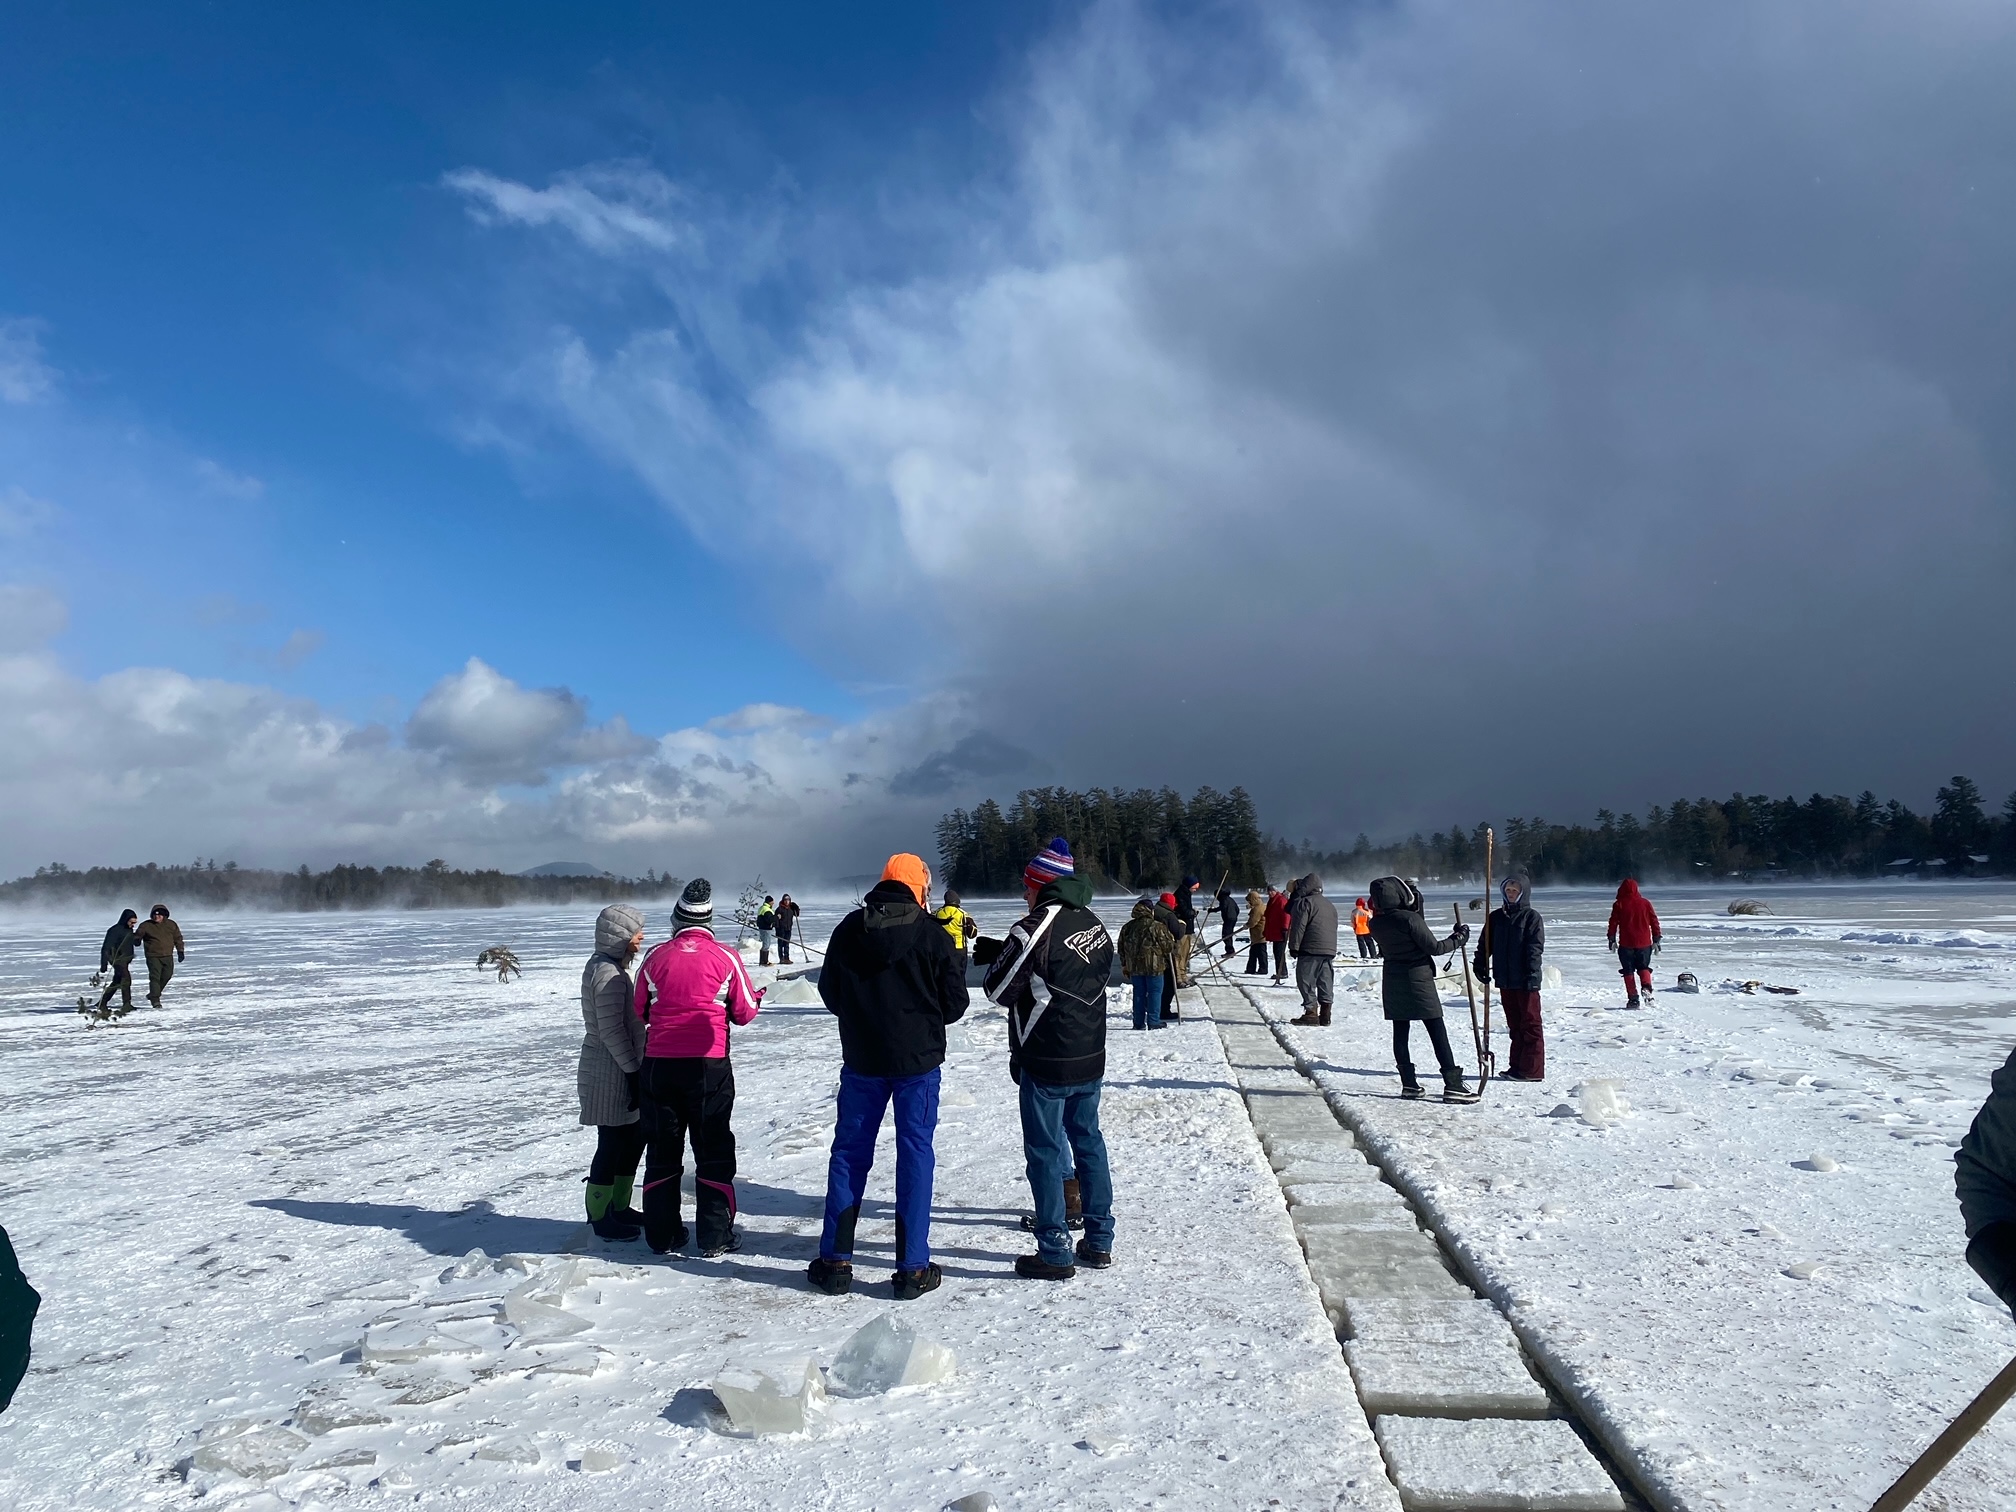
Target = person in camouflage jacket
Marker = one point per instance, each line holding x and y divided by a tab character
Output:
1146	949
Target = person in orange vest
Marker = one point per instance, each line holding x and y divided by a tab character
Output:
1361	926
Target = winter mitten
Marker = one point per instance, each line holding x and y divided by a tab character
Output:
1993	1256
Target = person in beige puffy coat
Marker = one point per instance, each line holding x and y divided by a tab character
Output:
612	1054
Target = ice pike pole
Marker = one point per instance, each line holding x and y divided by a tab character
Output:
1973	1418
1487	1063
1470	991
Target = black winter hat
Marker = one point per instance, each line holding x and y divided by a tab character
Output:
695	905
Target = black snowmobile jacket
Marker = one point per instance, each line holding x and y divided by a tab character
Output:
1407	948
1051	977
120	941
892	980
1984	1175
1515	938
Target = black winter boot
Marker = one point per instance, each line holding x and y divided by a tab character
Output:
833	1277
1093	1259
1036	1268
909	1285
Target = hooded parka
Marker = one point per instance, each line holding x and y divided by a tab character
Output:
612	1044
892	980
1312	920
1407	948
1515	938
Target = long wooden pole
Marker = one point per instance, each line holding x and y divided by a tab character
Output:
1469	991
1973	1418
1489	1068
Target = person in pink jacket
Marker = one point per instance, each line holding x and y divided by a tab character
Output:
689	990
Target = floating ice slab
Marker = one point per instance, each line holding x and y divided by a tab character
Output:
1444	1319
1444	1378
1371	1214
757	1404
1493	1465
885	1354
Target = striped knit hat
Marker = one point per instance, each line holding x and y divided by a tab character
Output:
695	905
1050	863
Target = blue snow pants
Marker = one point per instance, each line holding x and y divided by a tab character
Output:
863	1099
1060	1138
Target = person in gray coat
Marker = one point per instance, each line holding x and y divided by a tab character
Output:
1312	940
612	1054
1984	1175
1407	949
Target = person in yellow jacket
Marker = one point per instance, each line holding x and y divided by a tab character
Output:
959	924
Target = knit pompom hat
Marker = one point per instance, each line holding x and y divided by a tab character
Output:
1050	863
695	905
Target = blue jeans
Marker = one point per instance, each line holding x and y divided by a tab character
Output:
1147	1001
1060	1131
863	1099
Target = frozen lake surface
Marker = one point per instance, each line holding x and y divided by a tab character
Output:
219	1200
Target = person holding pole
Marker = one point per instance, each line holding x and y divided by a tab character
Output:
1509	953
1407	949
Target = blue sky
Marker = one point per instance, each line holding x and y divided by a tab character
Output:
649	435
230	225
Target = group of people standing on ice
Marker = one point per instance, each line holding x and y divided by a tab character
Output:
655	1073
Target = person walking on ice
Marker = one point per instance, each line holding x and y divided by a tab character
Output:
894	982
116	956
1312	940
689	991
1051	977
1634	935
1515	938
610	1072
161	940
1407	951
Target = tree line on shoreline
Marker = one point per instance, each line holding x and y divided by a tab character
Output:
435	885
1149	839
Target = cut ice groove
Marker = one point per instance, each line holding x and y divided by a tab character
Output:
1435	1347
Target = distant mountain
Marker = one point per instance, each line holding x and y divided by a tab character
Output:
565	869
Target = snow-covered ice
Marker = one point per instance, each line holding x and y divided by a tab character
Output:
306	1150
1485	1465
1751	1282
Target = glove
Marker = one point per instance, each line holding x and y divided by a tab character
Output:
634	1081
1462	934
1655	946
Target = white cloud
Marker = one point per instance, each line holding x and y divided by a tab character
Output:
22	514
610	207
218	479
149	763
30	616
24	376
1369	352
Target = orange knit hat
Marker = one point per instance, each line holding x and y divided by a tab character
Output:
911	872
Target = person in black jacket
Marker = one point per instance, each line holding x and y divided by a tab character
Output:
1407	950
18	1304
787	925
1228	915
1051	977
116	956
1515	938
892	980
1984	1176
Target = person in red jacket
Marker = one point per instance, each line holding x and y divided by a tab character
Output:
1634	935
1275	928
